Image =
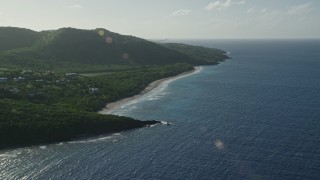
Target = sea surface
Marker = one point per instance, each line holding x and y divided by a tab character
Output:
255	116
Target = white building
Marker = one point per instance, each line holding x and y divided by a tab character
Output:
94	90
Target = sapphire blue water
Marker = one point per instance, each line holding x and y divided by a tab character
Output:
256	116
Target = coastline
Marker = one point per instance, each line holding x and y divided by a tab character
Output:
155	84
116	123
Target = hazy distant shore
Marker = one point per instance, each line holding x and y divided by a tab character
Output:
155	84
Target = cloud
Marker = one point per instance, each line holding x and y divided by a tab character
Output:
302	19
75	6
216	21
299	9
181	12
264	10
223	4
250	10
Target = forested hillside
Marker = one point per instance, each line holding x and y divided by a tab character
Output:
44	98
85	49
43	107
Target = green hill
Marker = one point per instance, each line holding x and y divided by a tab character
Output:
48	107
13	38
40	106
199	53
69	47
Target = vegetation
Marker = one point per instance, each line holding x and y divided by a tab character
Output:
13	38
41	101
205	56
43	107
92	50
25	123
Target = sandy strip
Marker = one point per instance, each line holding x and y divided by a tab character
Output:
122	102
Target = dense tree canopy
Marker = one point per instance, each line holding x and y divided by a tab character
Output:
47	107
92	49
43	100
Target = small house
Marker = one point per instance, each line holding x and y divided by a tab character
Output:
19	79
26	71
40	80
33	94
3	79
14	91
71	74
94	90
63	81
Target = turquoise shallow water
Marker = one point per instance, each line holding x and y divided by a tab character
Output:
255	116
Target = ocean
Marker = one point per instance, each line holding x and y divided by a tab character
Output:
255	116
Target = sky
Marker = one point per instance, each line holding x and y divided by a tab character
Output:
167	19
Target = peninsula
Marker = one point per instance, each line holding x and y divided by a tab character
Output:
52	83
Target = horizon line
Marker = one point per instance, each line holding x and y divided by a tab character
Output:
179	38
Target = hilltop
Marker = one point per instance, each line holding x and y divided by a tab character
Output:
14	38
85	49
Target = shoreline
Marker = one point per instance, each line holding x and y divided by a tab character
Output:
107	110
155	84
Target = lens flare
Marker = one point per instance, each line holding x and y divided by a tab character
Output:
109	40
101	33
219	144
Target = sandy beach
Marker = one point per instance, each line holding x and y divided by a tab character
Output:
122	102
